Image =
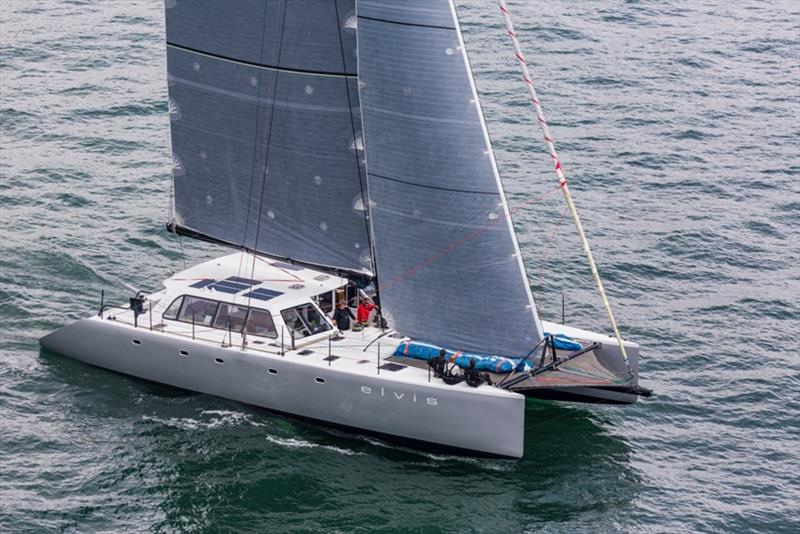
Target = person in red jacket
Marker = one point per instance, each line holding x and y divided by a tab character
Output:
363	311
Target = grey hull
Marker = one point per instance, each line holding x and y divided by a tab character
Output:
486	420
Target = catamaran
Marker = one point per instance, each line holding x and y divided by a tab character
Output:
339	148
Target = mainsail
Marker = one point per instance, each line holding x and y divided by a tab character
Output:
265	117
448	263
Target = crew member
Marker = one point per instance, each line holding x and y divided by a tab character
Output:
362	313
342	316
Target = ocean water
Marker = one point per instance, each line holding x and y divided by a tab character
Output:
678	124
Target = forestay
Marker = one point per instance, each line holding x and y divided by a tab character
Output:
448	263
267	148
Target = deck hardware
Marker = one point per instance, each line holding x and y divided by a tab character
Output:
102	302
244	339
136	341
184	353
272	371
544	351
219	361
305	352
137	306
319	380
150	311
549	367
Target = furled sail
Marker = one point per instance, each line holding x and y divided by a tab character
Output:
265	121
448	264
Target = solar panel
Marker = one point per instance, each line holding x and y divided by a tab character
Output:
231	285
203	283
263	294
228	287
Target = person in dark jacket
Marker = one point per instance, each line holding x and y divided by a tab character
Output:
342	316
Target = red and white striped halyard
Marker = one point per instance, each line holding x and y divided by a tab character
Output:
562	179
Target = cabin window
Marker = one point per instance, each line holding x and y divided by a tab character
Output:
305	320
197	310
260	323
172	311
230	313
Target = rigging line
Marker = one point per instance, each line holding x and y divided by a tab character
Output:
266	154
183	254
562	179
296	278
255	141
365	197
361	179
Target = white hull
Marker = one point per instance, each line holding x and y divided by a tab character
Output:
314	371
404	404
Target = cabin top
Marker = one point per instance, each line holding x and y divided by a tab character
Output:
242	278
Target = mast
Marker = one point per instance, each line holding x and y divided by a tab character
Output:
562	179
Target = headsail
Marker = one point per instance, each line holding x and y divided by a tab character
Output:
267	148
448	263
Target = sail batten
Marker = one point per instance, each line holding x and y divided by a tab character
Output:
261	65
449	267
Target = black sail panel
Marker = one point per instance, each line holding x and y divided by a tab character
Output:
267	149
448	263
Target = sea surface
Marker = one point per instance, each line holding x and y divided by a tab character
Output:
678	124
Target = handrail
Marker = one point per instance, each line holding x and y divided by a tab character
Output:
385	333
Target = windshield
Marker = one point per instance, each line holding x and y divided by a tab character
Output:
305	320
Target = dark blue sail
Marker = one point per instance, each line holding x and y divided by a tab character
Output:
266	128
447	259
